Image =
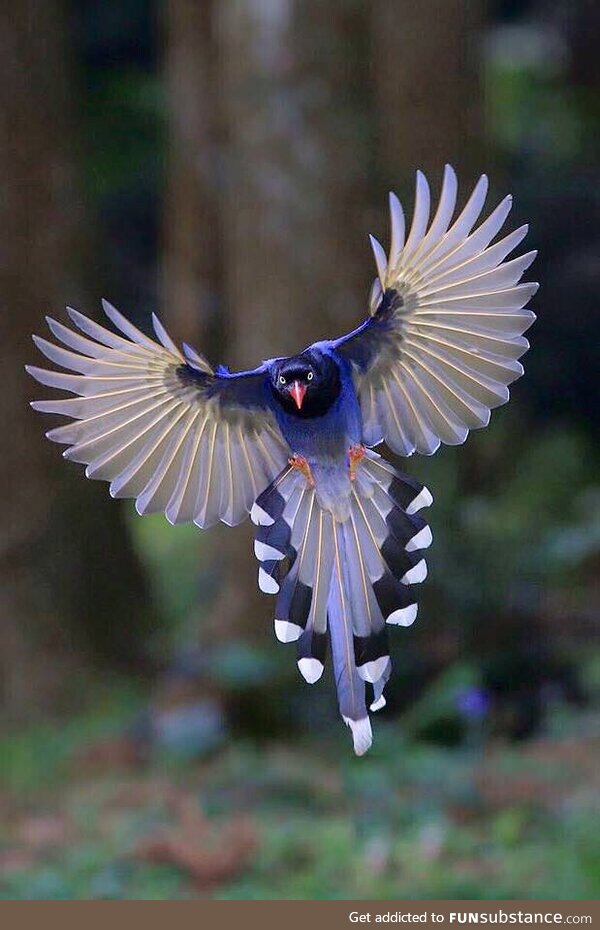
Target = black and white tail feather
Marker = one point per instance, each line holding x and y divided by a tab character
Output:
341	583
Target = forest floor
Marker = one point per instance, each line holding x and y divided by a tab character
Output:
87	815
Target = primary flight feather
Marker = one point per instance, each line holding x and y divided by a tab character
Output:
339	535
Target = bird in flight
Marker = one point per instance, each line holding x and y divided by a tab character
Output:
339	531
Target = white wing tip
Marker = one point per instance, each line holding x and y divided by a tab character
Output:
380	259
310	669
74	315
404	616
362	735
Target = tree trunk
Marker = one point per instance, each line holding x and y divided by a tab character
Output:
71	591
191	267
428	83
427	71
277	130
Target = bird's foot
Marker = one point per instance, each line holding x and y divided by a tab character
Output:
356	454
299	462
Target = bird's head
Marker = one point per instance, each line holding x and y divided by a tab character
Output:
306	385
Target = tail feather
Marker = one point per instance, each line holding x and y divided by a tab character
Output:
272	542
312	650
378	686
312	645
269	574
349	684
344	580
295	597
371	652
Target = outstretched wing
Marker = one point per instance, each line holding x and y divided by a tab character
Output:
446	330
162	427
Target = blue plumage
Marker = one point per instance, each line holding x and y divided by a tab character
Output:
339	539
324	437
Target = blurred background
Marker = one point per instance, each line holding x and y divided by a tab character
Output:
222	163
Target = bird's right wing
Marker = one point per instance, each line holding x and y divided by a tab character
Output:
447	320
162	427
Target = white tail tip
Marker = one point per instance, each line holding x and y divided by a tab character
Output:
423	499
266	583
287	632
378	704
260	517
422	540
372	671
416	574
266	553
404	616
310	669
362	735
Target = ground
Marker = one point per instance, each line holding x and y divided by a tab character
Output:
88	814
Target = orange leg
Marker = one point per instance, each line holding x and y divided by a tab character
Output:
355	454
299	462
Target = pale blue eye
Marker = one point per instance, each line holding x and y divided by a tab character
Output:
309	376
281	379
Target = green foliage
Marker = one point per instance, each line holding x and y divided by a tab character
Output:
37	758
516	512
533	109
124	109
407	821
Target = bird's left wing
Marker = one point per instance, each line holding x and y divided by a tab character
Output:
161	426
446	330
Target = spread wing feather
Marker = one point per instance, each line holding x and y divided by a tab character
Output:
447	320
160	425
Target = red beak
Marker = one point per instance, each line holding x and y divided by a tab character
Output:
298	390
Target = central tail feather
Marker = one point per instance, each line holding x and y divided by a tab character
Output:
341	613
344	580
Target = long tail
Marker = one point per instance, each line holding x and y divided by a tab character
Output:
346	579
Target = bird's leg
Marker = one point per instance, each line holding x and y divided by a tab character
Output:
299	462
356	454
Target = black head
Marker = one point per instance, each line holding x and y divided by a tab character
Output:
306	385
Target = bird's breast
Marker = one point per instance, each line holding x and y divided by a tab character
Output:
333	487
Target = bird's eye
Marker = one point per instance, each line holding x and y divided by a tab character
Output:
281	379
309	376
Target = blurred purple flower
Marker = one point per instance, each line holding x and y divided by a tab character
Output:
473	703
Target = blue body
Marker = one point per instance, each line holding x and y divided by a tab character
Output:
330	435
324	441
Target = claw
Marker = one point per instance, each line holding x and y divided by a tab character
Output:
356	454
299	462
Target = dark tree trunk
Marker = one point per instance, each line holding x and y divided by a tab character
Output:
427	62
71	591
191	269
268	187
